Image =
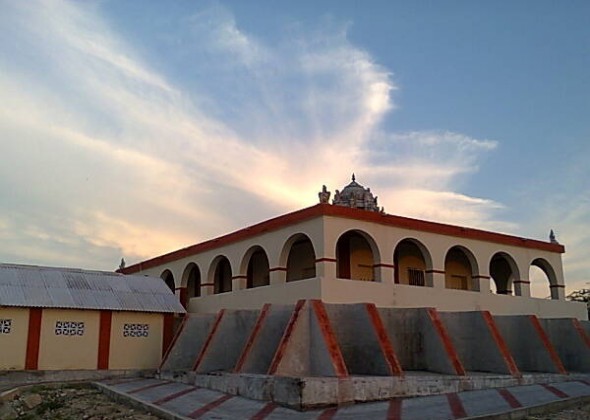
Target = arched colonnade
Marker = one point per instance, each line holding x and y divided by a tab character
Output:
443	262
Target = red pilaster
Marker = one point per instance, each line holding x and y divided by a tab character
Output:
104	340
168	332
33	338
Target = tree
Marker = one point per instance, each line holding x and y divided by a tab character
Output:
582	295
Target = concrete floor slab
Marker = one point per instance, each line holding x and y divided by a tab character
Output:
188	403
483	402
154	394
529	395
433	407
133	385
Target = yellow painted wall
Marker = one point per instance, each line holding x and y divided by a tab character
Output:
361	260
456	268
133	350
13	342
409	261
64	351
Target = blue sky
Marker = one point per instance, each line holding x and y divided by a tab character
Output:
135	128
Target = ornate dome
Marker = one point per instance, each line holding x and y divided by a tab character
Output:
356	196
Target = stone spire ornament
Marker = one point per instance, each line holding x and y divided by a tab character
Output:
324	195
356	196
552	237
122	264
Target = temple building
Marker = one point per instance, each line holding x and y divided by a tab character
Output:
350	251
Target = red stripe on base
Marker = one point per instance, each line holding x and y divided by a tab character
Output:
446	340
33	339
509	398
144	388
208	407
547	344
104	340
584	381
328	413
209	338
585	337
555	391
394	411
278	357
175	395
329	338
264	413
167	354
502	346
252	338
456	406
395	368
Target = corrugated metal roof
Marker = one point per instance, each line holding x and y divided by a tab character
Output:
48	287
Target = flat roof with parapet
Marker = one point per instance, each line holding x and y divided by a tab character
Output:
324	209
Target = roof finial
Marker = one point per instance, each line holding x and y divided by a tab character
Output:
552	237
353	177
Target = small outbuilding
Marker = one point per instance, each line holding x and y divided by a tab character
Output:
62	318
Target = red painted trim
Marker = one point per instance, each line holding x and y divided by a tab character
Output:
209	339
175	395
120	381
395	368
446	340
584	381
578	326
208	407
328	413
104	340
168	332
207	284
264	412
145	388
547	344
239	277
277	269
320	210
435	271
33	339
481	277
501	343
173	342
326	259
394	411
456	405
557	285
509	398
329	338
282	347
521	282
555	391
384	265
253	335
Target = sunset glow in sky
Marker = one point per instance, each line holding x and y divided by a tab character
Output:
135	128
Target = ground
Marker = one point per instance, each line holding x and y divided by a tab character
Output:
68	402
75	402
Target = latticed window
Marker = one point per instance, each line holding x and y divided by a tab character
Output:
416	277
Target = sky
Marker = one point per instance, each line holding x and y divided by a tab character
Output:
131	129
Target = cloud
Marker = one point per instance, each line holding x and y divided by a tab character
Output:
135	156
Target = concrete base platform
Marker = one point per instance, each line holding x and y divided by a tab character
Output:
172	400
305	393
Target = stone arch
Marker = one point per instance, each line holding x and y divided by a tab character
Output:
298	257
550	275
255	265
356	256
191	279
168	278
220	274
412	263
461	269
503	272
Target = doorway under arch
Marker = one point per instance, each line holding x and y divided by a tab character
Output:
355	257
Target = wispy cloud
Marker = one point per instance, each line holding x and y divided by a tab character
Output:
133	158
